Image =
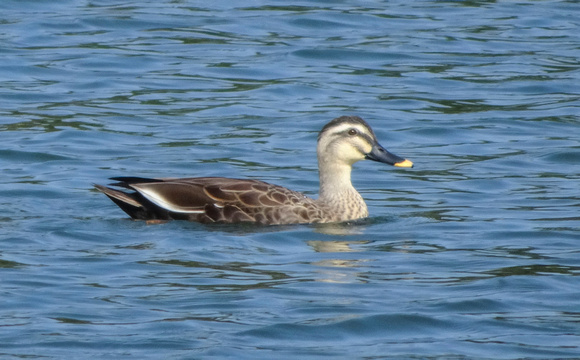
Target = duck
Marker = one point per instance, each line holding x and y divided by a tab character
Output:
341	143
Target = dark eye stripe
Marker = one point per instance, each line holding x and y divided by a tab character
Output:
347	132
364	136
367	138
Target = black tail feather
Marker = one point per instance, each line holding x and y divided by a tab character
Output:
126	181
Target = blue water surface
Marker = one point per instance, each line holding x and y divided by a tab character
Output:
474	253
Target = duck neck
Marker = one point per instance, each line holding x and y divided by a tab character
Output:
334	180
337	192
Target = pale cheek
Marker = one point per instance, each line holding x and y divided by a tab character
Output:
352	156
367	149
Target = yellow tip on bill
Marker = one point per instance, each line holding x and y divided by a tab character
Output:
404	163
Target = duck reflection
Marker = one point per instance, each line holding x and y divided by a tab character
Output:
343	228
338	270
335	246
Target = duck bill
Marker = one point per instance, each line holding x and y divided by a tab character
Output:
380	154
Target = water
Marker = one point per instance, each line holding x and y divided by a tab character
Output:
471	254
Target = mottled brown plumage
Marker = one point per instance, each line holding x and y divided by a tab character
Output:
341	143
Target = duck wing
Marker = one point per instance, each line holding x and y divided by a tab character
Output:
212	199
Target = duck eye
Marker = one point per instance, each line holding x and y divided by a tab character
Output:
352	132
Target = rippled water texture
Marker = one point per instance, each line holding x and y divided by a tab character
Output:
474	253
